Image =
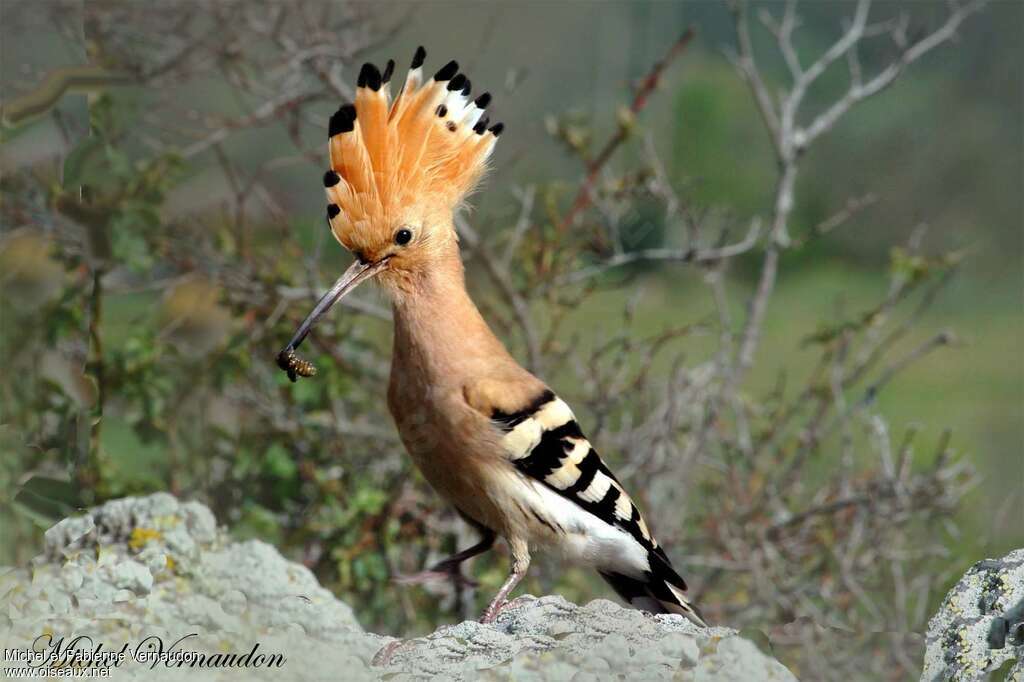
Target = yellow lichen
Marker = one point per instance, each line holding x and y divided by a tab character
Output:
167	521
170	562
142	536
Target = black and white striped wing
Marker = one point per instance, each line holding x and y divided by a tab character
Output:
545	442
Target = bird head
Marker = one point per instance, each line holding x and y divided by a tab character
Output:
399	168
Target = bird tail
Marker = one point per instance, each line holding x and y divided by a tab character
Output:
660	590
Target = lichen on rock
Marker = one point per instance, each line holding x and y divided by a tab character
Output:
147	567
980	627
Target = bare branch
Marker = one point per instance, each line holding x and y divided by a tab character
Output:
692	255
640	98
790	140
526	199
783	32
860	91
853	206
746	64
943	338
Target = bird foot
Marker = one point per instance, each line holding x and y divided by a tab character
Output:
433	575
492	612
383	657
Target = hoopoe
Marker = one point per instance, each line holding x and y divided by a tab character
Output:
488	435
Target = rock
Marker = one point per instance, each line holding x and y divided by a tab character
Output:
552	639
980	626
131	575
151	574
148	571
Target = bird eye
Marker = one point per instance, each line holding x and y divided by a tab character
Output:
403	236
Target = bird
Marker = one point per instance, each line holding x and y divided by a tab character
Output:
491	438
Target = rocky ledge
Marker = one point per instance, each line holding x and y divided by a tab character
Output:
151	588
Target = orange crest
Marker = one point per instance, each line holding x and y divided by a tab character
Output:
421	152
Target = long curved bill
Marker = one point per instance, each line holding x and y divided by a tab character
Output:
358	272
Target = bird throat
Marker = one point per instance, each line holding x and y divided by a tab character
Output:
439	332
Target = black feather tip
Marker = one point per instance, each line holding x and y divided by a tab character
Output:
497	128
482	101
331	178
332	211
418	58
447	71
389	69
457	83
343	120
467	89
369	77
481	126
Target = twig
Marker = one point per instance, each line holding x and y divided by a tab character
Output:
860	91
643	92
853	206
746	64
943	338
526	199
692	255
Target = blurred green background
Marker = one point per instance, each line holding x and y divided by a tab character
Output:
943	148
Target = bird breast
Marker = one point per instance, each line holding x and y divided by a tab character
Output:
453	446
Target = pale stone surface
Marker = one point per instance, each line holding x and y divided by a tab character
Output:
980	626
552	639
153	567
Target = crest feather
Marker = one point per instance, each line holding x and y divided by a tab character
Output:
429	144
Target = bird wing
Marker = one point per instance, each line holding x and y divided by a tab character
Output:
543	440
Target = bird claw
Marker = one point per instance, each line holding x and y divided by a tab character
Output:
383	657
491	614
493	611
434	575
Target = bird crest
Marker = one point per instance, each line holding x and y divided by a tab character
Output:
419	152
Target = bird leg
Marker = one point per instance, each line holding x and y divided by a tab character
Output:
520	562
450	568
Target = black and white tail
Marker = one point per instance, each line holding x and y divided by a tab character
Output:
660	590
